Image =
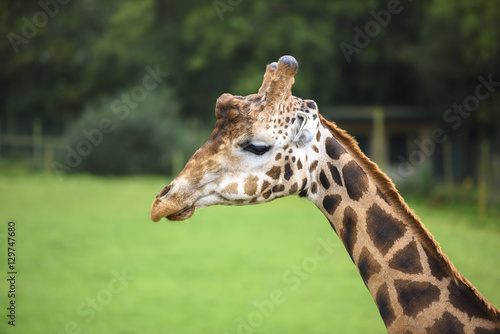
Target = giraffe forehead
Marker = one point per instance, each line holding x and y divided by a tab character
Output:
239	116
236	108
236	115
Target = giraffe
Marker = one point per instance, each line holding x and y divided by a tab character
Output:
272	144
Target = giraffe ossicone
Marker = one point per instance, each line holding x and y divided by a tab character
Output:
272	144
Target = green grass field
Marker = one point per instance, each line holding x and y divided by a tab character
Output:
89	260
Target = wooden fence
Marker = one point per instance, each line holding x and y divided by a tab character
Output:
42	146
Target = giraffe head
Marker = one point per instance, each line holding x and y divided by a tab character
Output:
257	152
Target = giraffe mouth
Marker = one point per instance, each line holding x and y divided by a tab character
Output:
161	210
179	207
182	214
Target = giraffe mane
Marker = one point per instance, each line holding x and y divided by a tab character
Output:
388	189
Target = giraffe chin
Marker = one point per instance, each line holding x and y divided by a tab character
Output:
183	214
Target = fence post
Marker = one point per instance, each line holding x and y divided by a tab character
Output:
448	165
37	141
379	146
483	178
49	158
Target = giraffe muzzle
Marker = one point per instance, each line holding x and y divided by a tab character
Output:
170	210
167	204
182	214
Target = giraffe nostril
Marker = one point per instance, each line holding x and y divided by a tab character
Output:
164	191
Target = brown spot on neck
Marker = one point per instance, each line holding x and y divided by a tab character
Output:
355	180
367	265
324	179
331	203
407	260
335	174
333	148
383	228
349	230
415	297
463	298
448	323
384	305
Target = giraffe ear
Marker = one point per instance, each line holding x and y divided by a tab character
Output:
302	131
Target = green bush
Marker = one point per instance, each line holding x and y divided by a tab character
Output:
129	136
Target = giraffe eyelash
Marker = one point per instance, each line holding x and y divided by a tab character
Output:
257	149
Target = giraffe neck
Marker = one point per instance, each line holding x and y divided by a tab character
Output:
415	286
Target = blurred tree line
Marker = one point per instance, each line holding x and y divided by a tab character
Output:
64	61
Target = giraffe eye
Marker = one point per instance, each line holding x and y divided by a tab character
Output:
257	149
